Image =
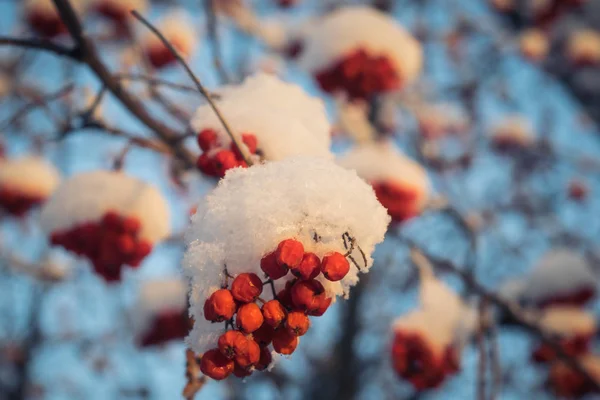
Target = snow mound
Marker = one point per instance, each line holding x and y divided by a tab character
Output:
30	175
349	28
88	196
307	198
568	321
158	295
381	161
178	28
559	272
285	120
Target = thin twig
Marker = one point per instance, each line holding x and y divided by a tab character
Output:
39	44
199	85
213	35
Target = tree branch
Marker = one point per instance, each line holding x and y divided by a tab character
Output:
39	44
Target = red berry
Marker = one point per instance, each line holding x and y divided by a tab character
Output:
112	221
220	306
307	295
231	342
250	141
273	312
246	287
131	225
289	253
125	244
241	372
263	335
264	360
284	342
309	267
215	365
248	354
205	165
285	295
297	323
249	318
223	161
335	266
270	267
207	139
323	306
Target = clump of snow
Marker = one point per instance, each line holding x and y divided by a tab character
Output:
427	324
30	175
349	28
353	120
515	129
307	198
285	120
159	295
534	44
47	6
88	196
178	28
437	120
568	321
381	161
584	46
558	273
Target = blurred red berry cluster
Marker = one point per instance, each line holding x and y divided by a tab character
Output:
17	203
215	159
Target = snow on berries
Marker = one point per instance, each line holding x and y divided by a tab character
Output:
119	11
583	47
43	17
360	52
25	182
512	133
427	342
271	120
108	217
401	185
179	30
568	383
560	276
572	327
259	243
534	45
161	313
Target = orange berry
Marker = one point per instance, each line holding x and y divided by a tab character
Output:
284	342
125	244
223	161
285	295
241	372
297	323
307	295
249	318
220	306
270	267
289	253
247	354
230	342
264	360
309	267
205	165
207	139
335	266
273	312
263	335
246	287
215	365
323	306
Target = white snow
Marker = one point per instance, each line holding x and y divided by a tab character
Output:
584	45
352	119
515	127
382	161
285	120
350	28
88	196
429	325
253	209
178	28
158	295
568	321
30	175
558	272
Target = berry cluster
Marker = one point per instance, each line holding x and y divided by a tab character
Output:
577	298
168	325
568	383
17	203
571	346
215	159
399	201
414	360
159	55
279	322
113	11
109	243
360	75
44	23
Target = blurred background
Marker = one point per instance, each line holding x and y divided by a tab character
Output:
502	115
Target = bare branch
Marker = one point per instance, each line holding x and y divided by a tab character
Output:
39	44
213	35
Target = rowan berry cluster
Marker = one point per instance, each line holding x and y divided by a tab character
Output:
416	361
109	243
17	203
217	159
278	322
167	325
360	75
401	202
